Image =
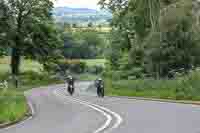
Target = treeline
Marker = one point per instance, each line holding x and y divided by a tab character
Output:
83	44
153	38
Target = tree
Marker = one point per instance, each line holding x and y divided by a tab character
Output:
30	30
82	44
74	25
175	47
4	27
67	25
157	41
90	24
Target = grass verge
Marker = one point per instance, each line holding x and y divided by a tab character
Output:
13	107
182	88
13	104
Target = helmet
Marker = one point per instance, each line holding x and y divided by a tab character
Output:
99	79
70	77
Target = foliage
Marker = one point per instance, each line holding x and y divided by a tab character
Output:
85	77
147	40
75	66
29	30
82	44
4	15
32	74
181	88
96	69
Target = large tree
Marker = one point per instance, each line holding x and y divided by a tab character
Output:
30	31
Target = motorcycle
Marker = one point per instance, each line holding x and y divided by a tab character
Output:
71	89
100	91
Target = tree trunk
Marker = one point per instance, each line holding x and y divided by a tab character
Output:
15	64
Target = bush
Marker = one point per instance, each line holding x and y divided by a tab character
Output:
51	67
75	66
30	79
95	69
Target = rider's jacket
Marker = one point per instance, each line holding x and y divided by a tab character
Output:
98	83
71	81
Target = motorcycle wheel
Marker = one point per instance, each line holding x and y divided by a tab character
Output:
102	93
70	90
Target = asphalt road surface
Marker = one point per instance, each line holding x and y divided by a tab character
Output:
57	112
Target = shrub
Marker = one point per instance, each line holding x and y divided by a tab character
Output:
51	67
75	66
95	69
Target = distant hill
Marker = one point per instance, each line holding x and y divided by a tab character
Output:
81	15
67	10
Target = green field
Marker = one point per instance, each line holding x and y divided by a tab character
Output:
102	29
95	62
26	65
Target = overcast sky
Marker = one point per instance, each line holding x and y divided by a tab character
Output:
77	3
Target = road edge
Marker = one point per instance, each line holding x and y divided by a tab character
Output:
152	99
158	100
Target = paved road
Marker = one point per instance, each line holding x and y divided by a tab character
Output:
56	112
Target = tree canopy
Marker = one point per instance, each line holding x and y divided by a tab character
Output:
28	29
156	41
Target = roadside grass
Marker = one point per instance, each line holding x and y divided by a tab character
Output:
181	88
13	106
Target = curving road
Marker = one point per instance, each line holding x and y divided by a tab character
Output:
56	112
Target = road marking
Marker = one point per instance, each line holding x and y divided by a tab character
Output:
117	116
106	112
109	118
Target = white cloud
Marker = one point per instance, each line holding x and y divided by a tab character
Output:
77	3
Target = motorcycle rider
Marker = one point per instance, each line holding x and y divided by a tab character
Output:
70	82
100	87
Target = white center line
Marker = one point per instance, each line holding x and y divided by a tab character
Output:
108	116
